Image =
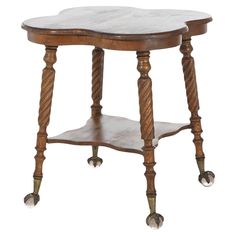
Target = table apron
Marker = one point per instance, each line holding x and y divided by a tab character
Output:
114	44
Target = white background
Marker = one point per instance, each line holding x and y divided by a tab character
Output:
79	200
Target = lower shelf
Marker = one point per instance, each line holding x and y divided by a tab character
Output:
115	132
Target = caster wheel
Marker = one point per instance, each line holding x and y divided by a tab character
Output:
155	220
206	178
95	161
31	199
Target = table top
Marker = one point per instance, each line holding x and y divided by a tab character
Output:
117	23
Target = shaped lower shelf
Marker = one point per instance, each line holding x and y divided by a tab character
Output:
115	132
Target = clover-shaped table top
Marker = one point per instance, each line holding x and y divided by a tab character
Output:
122	28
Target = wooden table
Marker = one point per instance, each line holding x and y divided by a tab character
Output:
119	28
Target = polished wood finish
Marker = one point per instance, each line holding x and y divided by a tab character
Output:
147	124
45	109
115	132
113	27
120	28
97	81
192	98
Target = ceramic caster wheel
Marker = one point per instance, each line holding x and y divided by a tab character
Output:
155	220
31	199
206	178
95	161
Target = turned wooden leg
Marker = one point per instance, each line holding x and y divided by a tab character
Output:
97	81
43	121
147	134
205	177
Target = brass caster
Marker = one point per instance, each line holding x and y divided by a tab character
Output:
95	161
31	199
206	178
155	220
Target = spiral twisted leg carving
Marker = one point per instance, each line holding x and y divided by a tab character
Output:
43	121
97	82
147	134
193	103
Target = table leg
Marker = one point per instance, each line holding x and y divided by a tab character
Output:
43	121
97	81
147	134
205	177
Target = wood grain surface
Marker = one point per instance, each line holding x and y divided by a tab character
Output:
111	27
115	132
